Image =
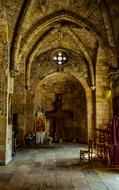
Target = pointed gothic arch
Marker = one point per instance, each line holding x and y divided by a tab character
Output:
50	19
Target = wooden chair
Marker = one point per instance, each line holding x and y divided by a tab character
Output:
86	155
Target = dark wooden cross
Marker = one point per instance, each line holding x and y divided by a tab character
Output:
59	116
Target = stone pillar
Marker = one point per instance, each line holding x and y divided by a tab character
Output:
5	129
2	139
10	84
90	112
6	121
103	99
93	111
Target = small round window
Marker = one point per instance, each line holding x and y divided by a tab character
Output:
60	57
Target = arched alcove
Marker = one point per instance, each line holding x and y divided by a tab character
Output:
73	99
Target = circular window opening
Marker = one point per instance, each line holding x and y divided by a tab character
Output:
60	57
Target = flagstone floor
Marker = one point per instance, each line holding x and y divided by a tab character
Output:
55	168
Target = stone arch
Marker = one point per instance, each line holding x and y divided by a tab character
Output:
16	36
77	40
89	97
58	17
88	94
107	23
67	15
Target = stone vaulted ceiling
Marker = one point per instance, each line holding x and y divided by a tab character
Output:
45	25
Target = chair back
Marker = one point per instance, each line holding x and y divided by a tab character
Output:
90	146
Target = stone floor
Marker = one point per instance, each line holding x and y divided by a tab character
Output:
55	168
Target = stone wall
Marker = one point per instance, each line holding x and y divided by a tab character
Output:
103	93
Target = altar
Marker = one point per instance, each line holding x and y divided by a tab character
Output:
40	129
49	126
